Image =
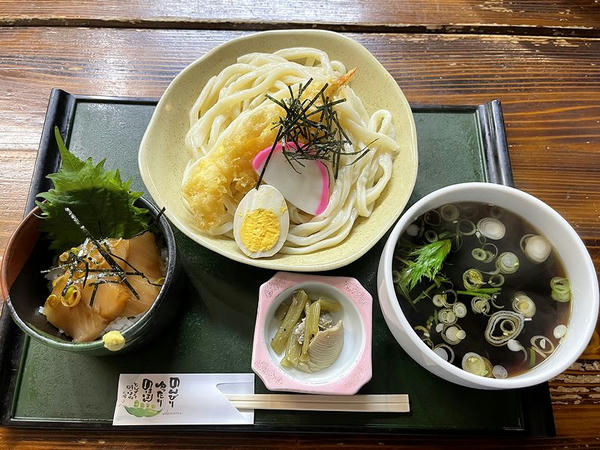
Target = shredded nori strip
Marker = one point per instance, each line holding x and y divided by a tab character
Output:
93	296
317	139
106	255
136	271
87	272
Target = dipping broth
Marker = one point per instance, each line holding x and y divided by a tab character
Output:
499	302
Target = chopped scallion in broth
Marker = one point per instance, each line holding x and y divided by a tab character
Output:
482	288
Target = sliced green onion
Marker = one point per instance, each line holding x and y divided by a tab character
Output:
480	305
499	371
424	330
561	289
523	241
432	218
453	334
514	345
491	228
450	300
481	238
493	272
508	327
496	305
560	331
445	352
537	249
531	357
412	230
542	345
466	227
507	263
488	367
449	213
496	280
502	327
559	283
479	254
481	292
523	304
442	353
395	276
459	309
431	320
447	316
457	242
475	364
472	279
491	250
439	300
431	236
483	255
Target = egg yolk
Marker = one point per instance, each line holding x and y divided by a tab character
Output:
260	230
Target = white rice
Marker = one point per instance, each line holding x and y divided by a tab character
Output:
164	259
122	323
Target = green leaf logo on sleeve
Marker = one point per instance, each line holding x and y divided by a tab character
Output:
141	412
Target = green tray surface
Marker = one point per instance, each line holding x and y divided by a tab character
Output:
219	296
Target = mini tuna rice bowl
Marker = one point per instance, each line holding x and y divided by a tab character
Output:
89	268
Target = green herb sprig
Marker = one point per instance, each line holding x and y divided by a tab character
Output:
425	261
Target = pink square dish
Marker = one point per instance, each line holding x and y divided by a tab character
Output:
351	370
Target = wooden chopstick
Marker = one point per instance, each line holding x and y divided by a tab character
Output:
352	403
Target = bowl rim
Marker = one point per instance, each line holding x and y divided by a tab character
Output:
275	377
133	330
269	263
529	378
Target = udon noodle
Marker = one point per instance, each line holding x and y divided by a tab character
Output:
232	120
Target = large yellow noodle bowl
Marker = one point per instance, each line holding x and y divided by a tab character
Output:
232	120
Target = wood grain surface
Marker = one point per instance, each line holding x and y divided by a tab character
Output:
551	17
19	439
550	90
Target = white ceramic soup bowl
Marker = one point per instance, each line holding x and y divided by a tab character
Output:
565	241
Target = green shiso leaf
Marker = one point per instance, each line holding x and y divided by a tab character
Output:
97	197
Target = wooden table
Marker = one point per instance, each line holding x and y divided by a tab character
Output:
542	59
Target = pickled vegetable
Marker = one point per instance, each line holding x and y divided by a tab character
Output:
292	352
314	336
328	305
311	328
292	316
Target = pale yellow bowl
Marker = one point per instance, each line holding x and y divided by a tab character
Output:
163	155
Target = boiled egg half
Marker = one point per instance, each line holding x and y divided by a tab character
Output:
261	222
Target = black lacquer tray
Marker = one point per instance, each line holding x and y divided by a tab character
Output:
43	387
